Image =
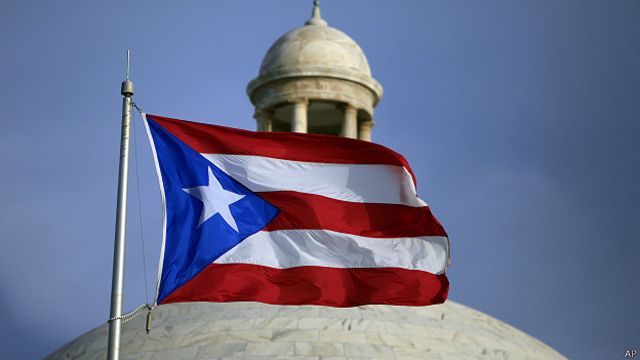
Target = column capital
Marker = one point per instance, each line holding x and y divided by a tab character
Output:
369	123
346	107
300	101
264	118
263	114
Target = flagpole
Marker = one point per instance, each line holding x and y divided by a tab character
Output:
117	282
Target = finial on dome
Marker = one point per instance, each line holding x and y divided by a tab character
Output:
315	16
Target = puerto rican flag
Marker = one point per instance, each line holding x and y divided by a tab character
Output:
291	219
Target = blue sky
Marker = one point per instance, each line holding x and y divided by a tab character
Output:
520	120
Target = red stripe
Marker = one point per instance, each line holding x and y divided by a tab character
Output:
313	285
214	139
307	211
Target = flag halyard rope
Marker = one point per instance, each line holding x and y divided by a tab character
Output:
140	219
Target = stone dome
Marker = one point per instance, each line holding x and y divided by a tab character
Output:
259	331
315	50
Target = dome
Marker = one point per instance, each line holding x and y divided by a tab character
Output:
317	51
260	331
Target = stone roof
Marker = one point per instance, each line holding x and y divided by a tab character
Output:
316	47
259	331
319	51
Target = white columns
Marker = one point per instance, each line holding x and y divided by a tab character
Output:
364	132
299	116
349	122
264	118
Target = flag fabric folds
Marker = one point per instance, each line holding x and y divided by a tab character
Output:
291	219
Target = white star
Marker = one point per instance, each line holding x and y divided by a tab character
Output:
215	200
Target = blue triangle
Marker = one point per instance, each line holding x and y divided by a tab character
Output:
190	248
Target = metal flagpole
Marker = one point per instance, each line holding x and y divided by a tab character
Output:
117	282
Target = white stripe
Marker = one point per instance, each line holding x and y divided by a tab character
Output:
387	184
164	206
292	248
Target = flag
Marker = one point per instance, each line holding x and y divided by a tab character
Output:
291	219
